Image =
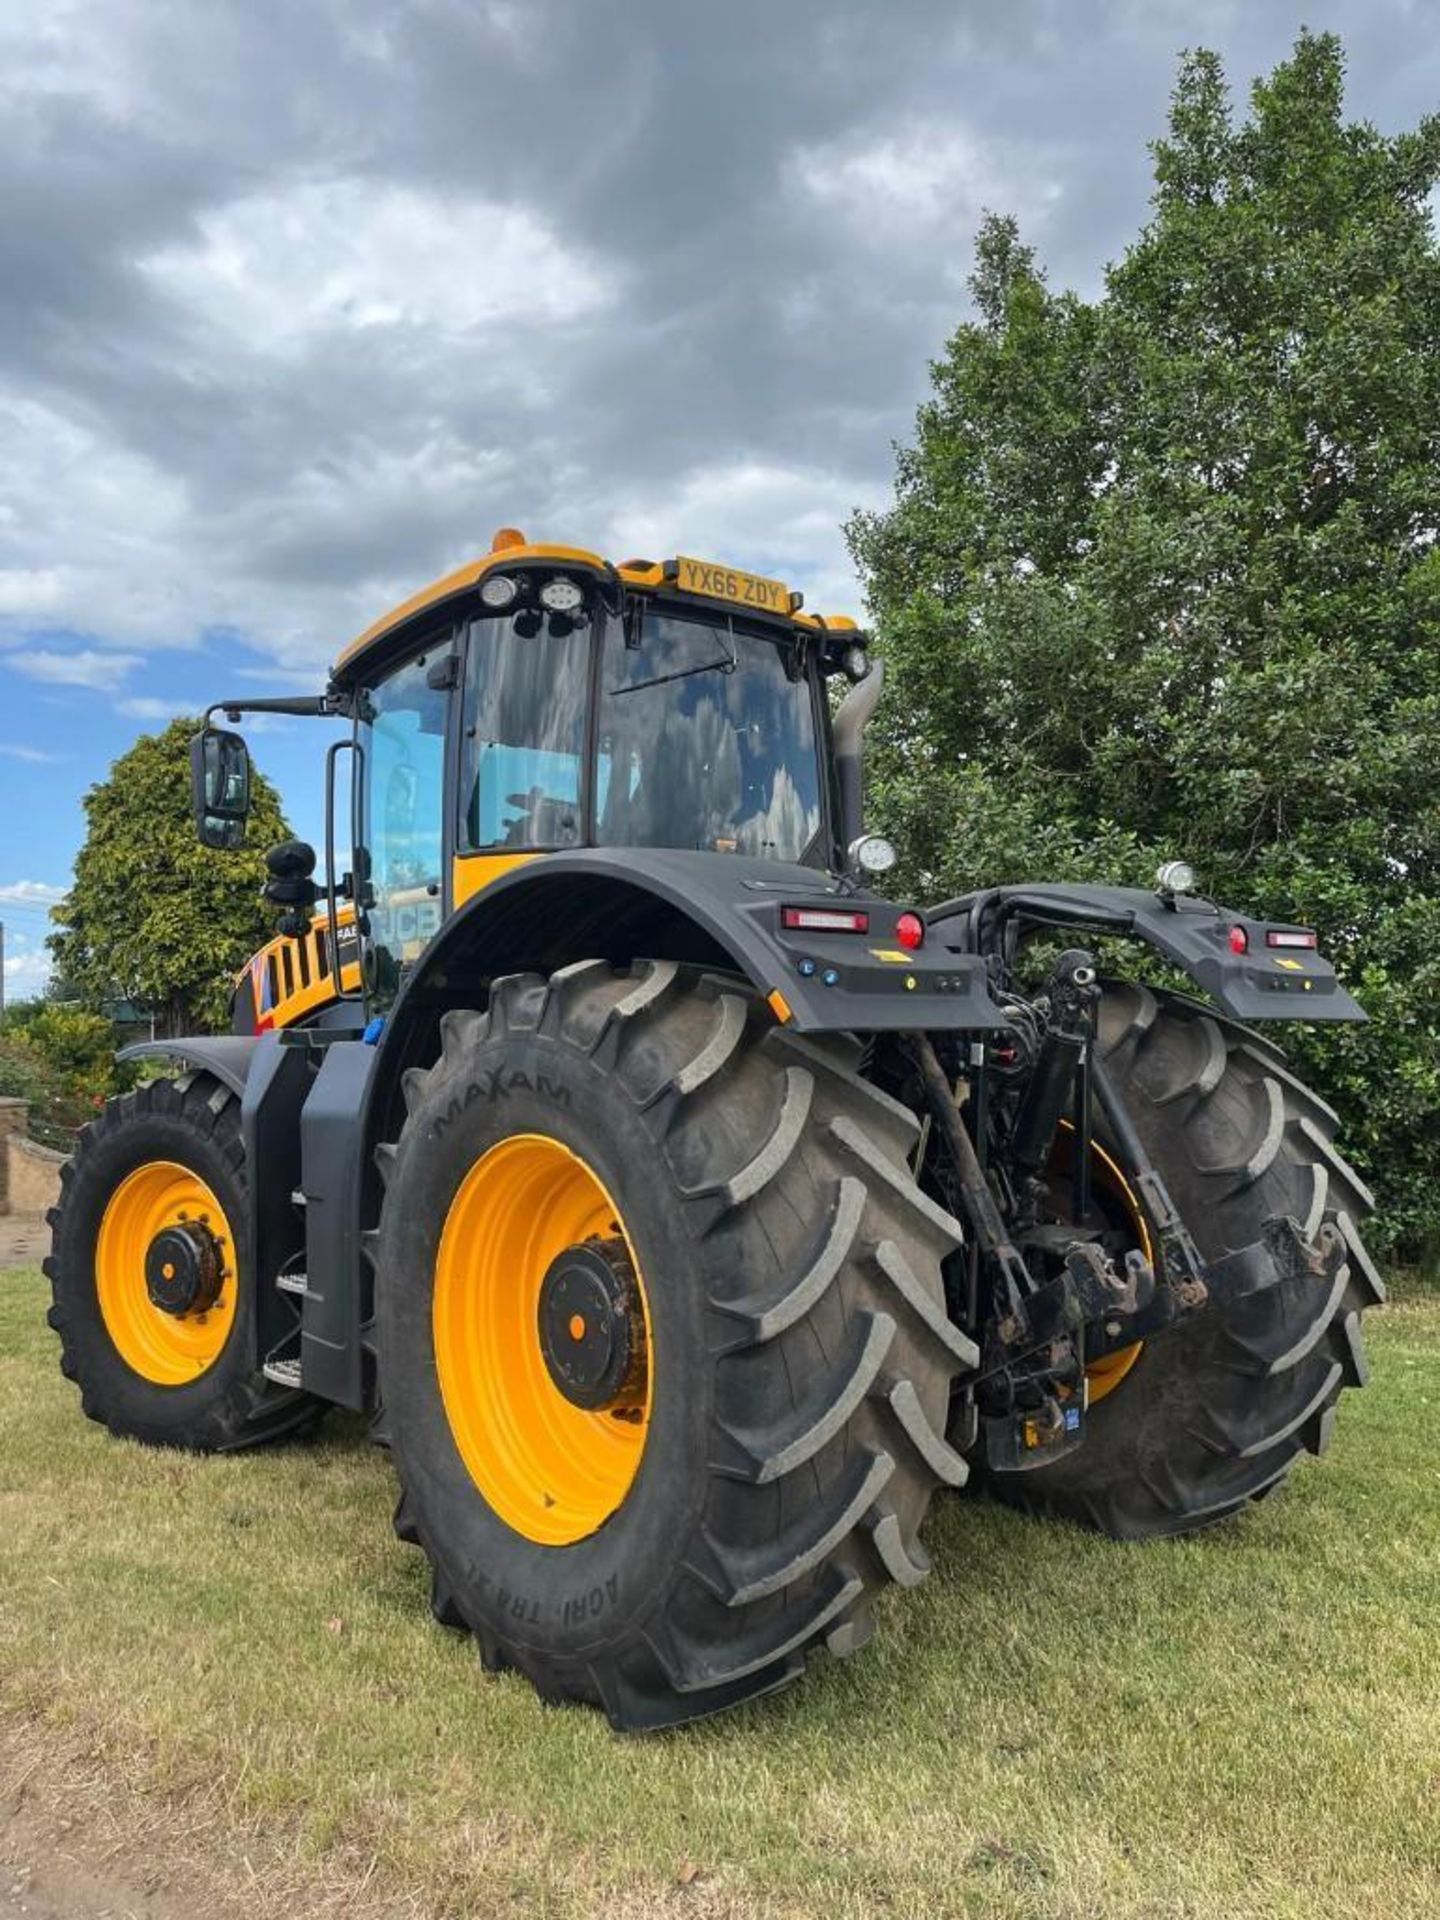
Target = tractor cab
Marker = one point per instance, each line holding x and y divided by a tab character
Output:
539	701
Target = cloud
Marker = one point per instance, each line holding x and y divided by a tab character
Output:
898	187
319	258
64	472
756	514
28	591
27	972
31	893
85	667
286	337
275	677
33	756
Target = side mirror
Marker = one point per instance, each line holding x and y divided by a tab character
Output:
219	787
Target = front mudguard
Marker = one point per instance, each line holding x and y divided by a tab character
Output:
1261	982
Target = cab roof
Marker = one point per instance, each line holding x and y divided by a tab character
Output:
695	579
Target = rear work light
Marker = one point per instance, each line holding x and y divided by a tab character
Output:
824	920
1291	937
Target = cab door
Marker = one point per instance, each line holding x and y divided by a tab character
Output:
403	734
522	745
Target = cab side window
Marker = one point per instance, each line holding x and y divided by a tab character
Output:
403	740
523	737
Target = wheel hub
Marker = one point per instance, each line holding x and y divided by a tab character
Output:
184	1269
592	1326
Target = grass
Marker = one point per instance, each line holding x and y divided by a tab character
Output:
1242	1724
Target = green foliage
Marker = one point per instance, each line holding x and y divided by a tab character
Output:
24	1073
154	917
1161	574
79	1046
61	1060
17	1017
58	1106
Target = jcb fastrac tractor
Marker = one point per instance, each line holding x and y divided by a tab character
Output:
684	1210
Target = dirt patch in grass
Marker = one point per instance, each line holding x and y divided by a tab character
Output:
236	1652
80	1837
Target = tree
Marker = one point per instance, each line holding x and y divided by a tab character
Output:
1161	574
154	917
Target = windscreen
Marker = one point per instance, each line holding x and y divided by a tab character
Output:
704	741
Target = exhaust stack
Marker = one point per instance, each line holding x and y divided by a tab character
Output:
855	714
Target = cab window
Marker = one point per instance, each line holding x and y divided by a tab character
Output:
402	737
523	735
704	740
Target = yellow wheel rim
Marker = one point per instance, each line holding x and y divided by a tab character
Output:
1103	1375
169	1350
1106	1373
553	1471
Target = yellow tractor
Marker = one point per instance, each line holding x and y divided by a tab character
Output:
684	1210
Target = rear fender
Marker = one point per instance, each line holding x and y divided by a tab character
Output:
720	911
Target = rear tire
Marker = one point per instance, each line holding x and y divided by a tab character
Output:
191	1123
801	1355
1216	1411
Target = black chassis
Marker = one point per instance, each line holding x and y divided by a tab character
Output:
317	1101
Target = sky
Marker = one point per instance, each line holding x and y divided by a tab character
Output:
299	303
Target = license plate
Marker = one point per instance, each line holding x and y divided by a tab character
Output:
751	590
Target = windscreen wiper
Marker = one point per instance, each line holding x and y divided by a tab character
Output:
727	664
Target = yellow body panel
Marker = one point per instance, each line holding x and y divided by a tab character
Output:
473	872
288	978
702	577
461	581
291	978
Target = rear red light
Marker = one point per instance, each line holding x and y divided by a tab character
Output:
910	930
824	920
1239	940
1291	937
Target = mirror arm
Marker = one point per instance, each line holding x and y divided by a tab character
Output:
308	705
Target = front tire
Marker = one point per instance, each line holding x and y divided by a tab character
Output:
1216	1410
799	1357
164	1157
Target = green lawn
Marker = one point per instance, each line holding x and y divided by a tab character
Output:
1244	1724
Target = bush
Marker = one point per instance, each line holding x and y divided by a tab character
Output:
79	1048
58	1106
